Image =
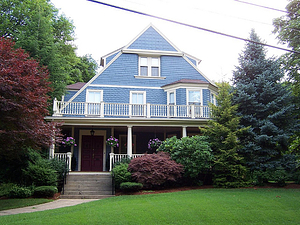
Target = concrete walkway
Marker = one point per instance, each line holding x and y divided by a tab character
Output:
46	206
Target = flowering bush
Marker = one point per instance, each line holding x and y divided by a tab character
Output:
112	141
69	141
154	143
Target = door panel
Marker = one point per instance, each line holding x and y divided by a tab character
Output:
92	153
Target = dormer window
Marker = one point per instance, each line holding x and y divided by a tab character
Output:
149	66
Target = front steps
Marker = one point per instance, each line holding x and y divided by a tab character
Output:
88	185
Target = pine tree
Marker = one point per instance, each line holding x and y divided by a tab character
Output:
265	104
223	132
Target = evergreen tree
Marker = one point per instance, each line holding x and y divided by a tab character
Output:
223	132
265	104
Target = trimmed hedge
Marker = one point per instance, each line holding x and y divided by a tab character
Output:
45	191
20	192
131	186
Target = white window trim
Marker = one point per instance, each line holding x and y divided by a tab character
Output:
149	66
94	90
138	92
214	100
168	96
194	89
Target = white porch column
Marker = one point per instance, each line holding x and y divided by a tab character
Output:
52	146
51	150
73	134
183	131
112	134
129	141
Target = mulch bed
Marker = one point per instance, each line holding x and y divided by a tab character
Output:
168	190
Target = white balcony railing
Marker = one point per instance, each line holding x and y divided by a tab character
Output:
104	109
113	158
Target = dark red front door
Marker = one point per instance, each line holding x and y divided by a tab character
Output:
92	153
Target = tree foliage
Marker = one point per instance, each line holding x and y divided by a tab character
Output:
194	153
265	104
223	131
23	102
36	26
287	29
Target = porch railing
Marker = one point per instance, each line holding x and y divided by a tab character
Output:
105	109
113	158
64	157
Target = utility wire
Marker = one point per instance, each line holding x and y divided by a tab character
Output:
192	26
262	6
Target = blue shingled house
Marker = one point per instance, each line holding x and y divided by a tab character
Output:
147	89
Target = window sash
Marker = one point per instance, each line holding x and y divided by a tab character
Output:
94	96
194	97
137	98
149	66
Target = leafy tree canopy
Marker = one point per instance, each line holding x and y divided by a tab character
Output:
287	29
23	102
36	26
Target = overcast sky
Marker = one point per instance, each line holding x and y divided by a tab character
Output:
100	30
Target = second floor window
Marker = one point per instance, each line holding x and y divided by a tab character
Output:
171	98
194	98
149	66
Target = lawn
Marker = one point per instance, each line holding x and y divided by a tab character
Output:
17	203
203	206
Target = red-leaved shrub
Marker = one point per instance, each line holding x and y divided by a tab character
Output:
154	170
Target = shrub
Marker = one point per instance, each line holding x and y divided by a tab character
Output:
20	192
194	153
59	166
154	170
45	191
131	186
5	189
40	171
121	174
40	174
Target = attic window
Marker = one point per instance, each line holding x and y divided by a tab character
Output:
149	67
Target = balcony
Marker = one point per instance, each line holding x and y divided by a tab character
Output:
125	110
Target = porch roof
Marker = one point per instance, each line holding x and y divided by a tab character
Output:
96	121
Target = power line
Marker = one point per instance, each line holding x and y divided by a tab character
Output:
192	26
262	6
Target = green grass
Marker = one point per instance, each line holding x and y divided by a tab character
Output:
206	206
17	203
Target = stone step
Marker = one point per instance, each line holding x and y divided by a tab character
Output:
68	192
88	185
85	196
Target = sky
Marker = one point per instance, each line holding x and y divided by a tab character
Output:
100	29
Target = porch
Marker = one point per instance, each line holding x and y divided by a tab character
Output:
126	110
93	154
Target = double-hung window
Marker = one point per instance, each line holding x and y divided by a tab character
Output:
194	98
171	103
94	98
149	66
138	100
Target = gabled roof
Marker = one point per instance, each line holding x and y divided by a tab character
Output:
160	40
76	86
152	39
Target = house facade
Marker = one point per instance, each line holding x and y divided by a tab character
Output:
147	89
